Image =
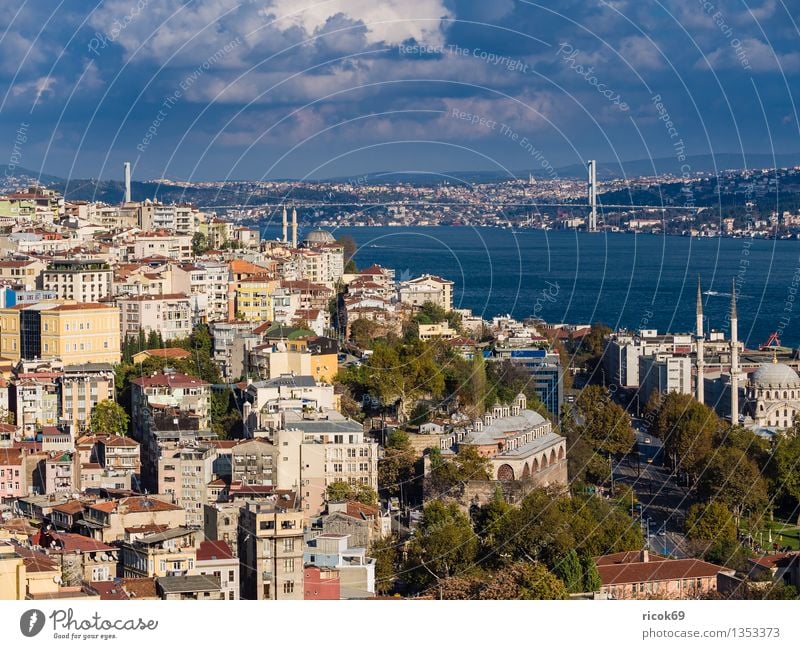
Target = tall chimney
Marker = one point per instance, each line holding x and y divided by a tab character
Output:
294	227
127	168
285	238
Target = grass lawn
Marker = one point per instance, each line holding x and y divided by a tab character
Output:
782	533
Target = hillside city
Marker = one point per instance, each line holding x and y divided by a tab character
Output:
191	411
735	203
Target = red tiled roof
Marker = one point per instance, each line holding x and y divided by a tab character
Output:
11	457
109	590
70	507
118	440
140	588
36	561
776	560
77	542
649	571
209	550
360	510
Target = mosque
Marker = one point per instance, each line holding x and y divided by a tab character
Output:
771	390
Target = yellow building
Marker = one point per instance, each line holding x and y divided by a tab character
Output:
75	333
254	299
12	574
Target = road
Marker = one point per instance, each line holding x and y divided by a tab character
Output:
663	501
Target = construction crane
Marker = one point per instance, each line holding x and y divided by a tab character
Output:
772	341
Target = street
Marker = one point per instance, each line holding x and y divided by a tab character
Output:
663	503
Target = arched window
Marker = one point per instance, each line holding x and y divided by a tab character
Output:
505	472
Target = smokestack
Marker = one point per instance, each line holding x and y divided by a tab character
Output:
285	226
127	168
294	227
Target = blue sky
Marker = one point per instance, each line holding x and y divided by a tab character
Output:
215	89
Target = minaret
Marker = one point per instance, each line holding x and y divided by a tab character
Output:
734	358
294	227
285	238
700	340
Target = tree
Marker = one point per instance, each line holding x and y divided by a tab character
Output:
687	429
387	558
109	417
443	544
199	243
570	571
476	391
546	527
591	577
448	475
403	372
341	491
362	332
733	479
787	465
606	426
349	247
396	467
522	580
712	529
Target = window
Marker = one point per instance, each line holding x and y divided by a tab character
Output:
288	545
231	576
288	565
288	587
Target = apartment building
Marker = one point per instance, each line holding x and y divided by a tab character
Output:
216	559
427	288
34	400
254	462
175	247
81	388
271	549
171	390
170	553
13	483
110	520
82	280
62	473
117	453
22	272
206	285
319	448
75	333
171	315
183	475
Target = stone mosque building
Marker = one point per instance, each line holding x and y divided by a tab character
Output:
772	396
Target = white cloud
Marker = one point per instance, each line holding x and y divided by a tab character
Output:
37	88
388	21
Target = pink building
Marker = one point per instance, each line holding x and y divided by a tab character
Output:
12	473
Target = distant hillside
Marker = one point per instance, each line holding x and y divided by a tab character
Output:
672	165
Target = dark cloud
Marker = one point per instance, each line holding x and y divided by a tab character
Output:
291	87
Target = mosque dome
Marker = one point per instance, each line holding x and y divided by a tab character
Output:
318	237
775	375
